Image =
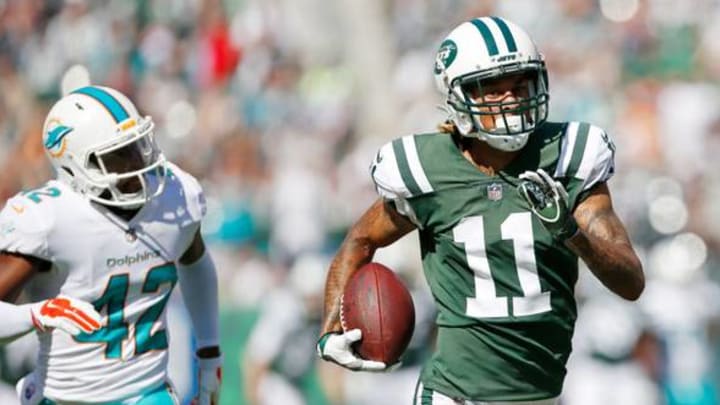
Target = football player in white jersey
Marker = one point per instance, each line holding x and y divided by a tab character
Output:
118	227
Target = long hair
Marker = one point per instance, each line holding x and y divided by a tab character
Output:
449	127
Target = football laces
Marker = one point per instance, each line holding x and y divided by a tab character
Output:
342	314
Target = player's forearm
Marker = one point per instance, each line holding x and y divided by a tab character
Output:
198	283
379	226
613	263
353	253
17	321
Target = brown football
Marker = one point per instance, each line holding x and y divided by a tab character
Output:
376	301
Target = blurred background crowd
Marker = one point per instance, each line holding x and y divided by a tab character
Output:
279	106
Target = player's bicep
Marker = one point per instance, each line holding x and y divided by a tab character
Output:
595	215
381	225
195	251
15	271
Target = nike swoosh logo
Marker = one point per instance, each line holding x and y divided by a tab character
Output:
18	208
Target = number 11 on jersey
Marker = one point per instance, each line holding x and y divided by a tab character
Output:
486	303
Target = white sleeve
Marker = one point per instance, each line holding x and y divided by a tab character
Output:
391	178
386	175
199	286
194	195
23	229
598	161
17	321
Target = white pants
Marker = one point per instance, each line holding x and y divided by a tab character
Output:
29	392
425	396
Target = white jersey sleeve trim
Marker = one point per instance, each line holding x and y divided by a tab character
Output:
386	175
194	195
388	179
598	163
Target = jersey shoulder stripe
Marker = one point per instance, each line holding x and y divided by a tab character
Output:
578	153
587	155
410	166
398	171
571	149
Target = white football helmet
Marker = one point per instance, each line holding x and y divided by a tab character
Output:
98	143
484	49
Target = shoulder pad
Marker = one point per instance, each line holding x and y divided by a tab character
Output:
397	170
24	227
194	195
587	153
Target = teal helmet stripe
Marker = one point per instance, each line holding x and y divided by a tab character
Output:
507	34
107	100
487	36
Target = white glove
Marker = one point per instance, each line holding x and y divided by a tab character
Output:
335	347
209	380
548	200
65	313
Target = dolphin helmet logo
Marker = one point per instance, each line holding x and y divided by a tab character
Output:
55	138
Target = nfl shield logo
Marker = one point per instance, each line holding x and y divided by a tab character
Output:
494	192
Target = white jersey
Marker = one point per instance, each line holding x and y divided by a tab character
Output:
126	269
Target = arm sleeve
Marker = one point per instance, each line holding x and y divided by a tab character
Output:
599	163
587	159
192	192
17	321
199	286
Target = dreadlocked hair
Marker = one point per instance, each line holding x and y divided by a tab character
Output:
447	127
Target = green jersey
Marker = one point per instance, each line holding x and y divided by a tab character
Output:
503	286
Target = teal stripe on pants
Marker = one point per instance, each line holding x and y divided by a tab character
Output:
161	395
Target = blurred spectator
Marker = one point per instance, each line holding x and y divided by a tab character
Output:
278	365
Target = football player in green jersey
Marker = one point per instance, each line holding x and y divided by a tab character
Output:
505	203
